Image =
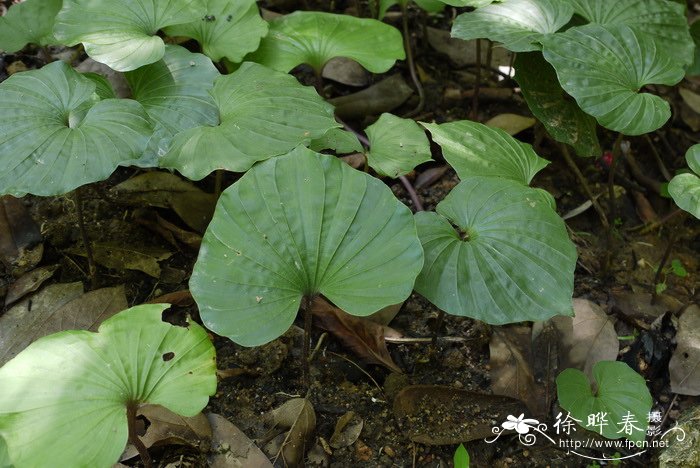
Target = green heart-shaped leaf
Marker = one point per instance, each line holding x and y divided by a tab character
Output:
29	22
314	38
121	34
604	67
622	395
665	22
397	146
56	134
175	93
474	149
300	225
518	24
685	188
511	260
225	29
64	397
558	112
5	461
263	113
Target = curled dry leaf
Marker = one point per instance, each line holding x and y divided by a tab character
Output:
347	430
684	367
362	336
56	308
28	282
586	338
231	448
441	415
20	239
168	428
296	418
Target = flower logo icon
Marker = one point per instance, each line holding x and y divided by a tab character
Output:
519	424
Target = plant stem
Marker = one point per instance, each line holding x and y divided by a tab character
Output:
438	324
77	198
659	271
134	438
475	97
611	177
306	310
657	157
411	63
582	180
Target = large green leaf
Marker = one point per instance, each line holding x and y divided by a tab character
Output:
685	188
175	93
56	134
518	24
263	113
622	395
474	149
314	38
665	22
296	225
29	22
397	146
122	34
509	260
604	67
225	29
558	112
64	397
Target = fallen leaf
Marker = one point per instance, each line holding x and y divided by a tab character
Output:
165	190
56	308
512	372
638	304
168	428
386	315
116	79
20	239
586	338
345	71
430	176
347	430
355	160
169	231
178	298
296	420
231	448
361	336
684	367
512	124
381	97
442	415
138	257
463	53
28	282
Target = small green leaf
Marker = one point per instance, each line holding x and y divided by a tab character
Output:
29	22
64	397
475	149
660	287
618	408
300	225
397	146
175	93
461	457
678	268
263	113
314	38
558	112
337	139
604	67
518	24
685	188
663	21
225	29
56	134
509	259
121	34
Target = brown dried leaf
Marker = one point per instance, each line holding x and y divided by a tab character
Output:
346	71
298	418
28	282
684	367
384	96
347	430
178	298
166	190
138	257
511	123
169	231
56	308
463	53
363	337
20	239
430	176
512	369
168	428
442	415
231	448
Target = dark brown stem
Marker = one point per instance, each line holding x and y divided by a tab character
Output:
659	271
611	177
582	180
411	63
657	157
306	311
133	436
477	83
92	269
438	324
